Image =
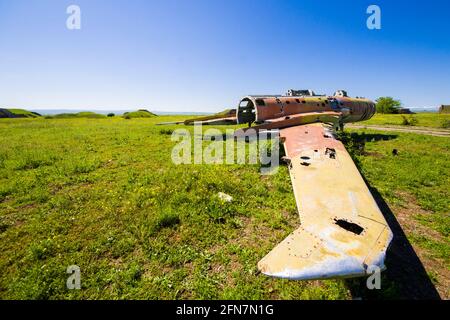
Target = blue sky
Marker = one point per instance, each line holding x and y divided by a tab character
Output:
202	56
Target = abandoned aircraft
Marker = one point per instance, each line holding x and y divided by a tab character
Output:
342	231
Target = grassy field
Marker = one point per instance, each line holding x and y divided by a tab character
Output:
433	120
104	194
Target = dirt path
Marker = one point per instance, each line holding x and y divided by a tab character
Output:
420	130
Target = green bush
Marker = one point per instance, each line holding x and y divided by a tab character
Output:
446	124
387	105
412	121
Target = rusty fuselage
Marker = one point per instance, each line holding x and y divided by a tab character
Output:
259	109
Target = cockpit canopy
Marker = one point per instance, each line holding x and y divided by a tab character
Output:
299	93
341	93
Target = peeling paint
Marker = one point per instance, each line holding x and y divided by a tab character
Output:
328	190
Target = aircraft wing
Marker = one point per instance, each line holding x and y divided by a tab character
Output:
343	232
226	117
216	121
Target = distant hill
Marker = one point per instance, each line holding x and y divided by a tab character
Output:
18	113
84	114
142	113
45	112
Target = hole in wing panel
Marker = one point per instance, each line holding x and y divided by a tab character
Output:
349	226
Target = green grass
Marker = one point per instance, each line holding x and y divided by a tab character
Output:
420	171
434	120
104	194
436	249
84	114
424	156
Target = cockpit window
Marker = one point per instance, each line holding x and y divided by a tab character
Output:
243	103
334	104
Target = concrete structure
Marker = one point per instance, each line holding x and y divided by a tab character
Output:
405	111
444	108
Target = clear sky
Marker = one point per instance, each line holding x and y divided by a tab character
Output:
202	56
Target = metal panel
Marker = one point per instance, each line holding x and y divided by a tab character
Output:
342	229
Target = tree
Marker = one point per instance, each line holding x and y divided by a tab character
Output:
388	105
111	114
